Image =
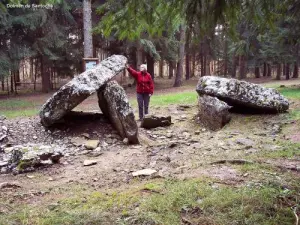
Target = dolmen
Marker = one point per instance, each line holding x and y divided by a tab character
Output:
113	100
218	95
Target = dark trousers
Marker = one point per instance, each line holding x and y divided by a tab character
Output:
143	102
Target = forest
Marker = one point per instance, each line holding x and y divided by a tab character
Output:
182	39
149	112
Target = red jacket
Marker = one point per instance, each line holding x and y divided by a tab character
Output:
144	81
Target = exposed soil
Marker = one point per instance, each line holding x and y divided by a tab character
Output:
183	150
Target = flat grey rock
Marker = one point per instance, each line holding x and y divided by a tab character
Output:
89	162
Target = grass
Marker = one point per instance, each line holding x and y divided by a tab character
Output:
169	202
12	108
187	97
288	150
19	113
13	104
294	114
16	108
253	168
190	97
290	92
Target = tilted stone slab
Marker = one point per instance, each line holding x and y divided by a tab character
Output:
79	88
243	95
213	113
114	104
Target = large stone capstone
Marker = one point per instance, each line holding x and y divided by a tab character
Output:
79	88
243	95
114	104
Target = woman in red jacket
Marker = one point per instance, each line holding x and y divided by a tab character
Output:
144	88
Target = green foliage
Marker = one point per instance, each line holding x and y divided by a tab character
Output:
171	202
11	104
17	108
294	114
28	33
288	150
290	92
19	113
167	99
149	47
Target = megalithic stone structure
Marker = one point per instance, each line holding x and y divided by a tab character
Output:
79	88
242	95
114	104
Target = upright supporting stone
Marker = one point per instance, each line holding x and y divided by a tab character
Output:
114	104
79	88
213	113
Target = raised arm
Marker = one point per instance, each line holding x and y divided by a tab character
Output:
132	72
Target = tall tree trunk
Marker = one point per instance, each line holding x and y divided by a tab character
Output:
207	65
36	61
7	84
161	68
171	69
265	70
31	69
202	62
242	71
257	72
179	72
187	56
193	65
287	71
144	59
23	71
2	83
46	83
87	29
12	82
139	58
204	65
51	76
234	61
94	48
269	74
226	56
150	65
16	76
187	67
139	55
296	70
278	74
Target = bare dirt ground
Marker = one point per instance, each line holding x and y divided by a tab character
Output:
183	150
